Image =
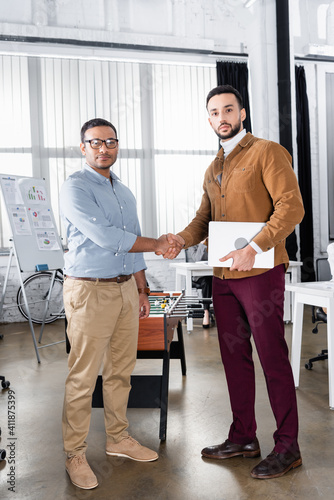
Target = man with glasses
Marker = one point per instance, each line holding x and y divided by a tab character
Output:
105	294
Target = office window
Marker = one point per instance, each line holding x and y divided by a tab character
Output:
15	134
183	139
159	111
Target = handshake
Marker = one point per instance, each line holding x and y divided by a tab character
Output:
169	245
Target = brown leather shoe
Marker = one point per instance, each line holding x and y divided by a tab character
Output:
276	465
229	450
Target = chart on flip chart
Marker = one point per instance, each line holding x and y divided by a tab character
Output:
35	236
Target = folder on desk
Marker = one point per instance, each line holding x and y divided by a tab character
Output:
224	237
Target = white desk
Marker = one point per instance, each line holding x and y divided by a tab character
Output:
291	276
191	269
188	270
320	294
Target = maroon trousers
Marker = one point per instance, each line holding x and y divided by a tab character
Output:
254	306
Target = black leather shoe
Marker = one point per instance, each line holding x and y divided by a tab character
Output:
229	450
276	465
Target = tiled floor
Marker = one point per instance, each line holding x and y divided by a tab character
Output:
199	415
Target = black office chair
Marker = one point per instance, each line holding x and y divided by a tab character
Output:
203	283
4	384
323	273
204	302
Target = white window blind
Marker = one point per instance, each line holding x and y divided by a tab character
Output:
15	133
159	111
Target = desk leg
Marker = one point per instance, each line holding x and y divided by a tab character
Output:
330	331
190	324
177	348
164	397
189	286
287	318
177	280
182	351
294	279
294	274
296	346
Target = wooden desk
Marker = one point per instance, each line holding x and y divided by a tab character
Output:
320	294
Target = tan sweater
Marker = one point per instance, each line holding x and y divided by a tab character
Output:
258	184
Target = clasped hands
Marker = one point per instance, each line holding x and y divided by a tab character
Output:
169	245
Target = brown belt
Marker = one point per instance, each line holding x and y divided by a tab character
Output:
117	279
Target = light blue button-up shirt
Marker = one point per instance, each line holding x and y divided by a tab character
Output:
101	225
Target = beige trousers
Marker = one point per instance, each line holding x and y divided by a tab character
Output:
103	322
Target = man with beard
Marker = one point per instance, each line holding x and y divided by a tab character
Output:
105	294
251	180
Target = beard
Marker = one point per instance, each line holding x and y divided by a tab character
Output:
103	167
231	133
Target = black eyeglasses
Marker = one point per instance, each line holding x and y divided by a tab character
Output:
97	143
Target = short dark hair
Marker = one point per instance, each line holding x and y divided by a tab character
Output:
96	122
225	89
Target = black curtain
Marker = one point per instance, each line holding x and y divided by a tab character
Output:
304	175
236	74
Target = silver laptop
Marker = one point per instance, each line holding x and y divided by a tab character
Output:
227	236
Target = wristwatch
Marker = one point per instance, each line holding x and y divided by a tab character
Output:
144	290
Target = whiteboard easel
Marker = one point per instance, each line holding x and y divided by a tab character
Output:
36	243
34	230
